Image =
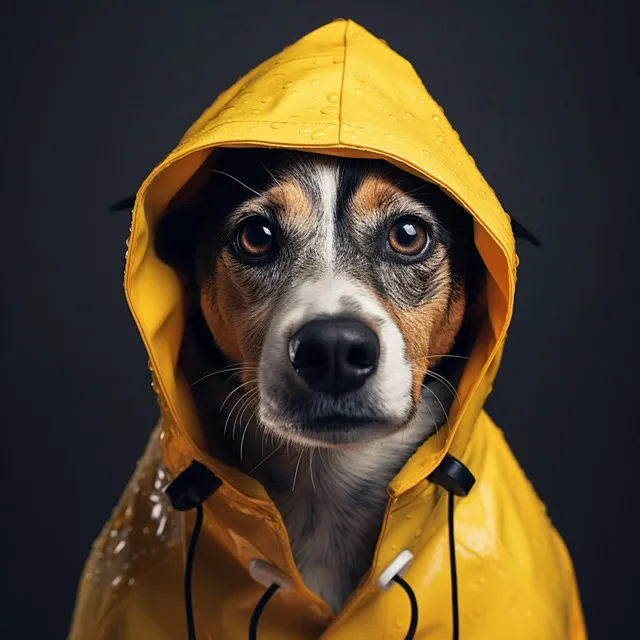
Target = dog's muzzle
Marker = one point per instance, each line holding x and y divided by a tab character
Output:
334	355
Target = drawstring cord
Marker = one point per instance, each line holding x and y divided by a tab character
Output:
188	569
454	573
257	612
194	485
188	491
413	625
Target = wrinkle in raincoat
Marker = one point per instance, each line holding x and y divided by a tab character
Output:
341	91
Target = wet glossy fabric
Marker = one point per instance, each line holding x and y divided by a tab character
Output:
342	91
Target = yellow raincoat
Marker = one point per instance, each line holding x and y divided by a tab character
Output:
340	91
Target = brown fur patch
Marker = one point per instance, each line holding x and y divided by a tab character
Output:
429	330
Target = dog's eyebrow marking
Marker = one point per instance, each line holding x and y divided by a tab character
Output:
224	173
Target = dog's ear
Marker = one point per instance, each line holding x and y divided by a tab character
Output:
520	231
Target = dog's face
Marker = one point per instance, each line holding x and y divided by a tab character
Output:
335	283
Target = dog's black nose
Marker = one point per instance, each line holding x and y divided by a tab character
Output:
334	355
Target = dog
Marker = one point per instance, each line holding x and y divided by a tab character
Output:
330	313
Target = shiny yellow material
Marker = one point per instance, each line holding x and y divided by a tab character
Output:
341	91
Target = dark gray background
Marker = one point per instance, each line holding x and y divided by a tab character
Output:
97	92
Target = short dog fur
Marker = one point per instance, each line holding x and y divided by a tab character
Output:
270	241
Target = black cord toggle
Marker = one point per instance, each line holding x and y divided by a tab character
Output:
192	487
452	476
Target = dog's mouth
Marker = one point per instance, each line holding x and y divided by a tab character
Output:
318	419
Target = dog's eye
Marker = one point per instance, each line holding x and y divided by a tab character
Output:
255	237
408	237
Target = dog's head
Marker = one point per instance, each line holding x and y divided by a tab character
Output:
335	283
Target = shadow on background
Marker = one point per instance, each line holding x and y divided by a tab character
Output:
98	92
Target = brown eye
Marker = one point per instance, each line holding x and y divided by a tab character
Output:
255	237
408	237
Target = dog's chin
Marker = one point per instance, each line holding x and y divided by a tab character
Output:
332	430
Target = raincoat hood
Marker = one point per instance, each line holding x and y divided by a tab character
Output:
340	91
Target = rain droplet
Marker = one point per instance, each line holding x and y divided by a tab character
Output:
154	498
119	547
145	530
113	533
294	93
116	581
359	77
459	163
394	546
435	117
255	111
278	125
304	130
333	97
379	105
482	194
359	92
311	108
400	623
389	135
328	110
410	115
418	533
289	84
318	133
161	525
266	99
156	511
440	138
316	61
235	134
253	130
313	83
449	150
338	60
426	153
131	581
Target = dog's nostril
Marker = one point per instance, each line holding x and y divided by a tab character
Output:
309	354
334	355
361	356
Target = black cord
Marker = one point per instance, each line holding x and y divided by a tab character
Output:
454	575
191	628
257	612
414	606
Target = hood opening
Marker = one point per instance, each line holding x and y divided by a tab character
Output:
280	105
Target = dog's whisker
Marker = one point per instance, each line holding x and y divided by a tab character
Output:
273	451
295	475
214	373
238	419
226	424
435	422
271	174
439	355
324	464
446	415
224	173
233	368
255	395
313	484
444	381
244	384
